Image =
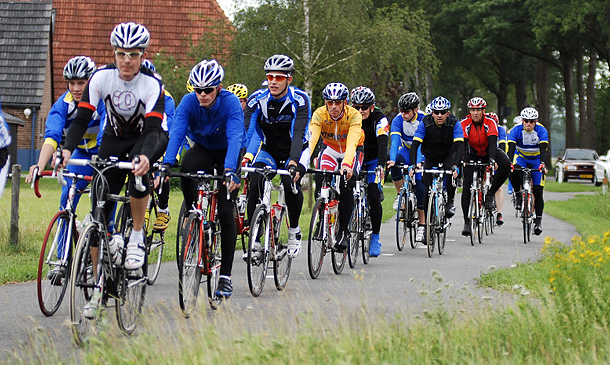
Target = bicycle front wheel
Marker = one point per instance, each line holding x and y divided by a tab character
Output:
355	230
481	218
258	256
366	237
430	222
316	244
182	217
154	249
402	220
83	283
282	262
53	271
441	236
189	271
472	214
131	289
215	255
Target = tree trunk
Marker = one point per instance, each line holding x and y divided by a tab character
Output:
589	135
307	82
544	103
429	89
582	104
568	83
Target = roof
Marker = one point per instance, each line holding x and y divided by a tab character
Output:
25	30
84	27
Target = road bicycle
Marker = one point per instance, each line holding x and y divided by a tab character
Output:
361	228
200	251
268	238
477	214
490	214
437	222
93	268
57	246
155	239
239	213
527	211
406	215
324	226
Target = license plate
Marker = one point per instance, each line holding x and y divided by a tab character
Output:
586	176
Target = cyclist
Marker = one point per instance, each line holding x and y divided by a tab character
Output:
375	127
481	142
163	217
213	119
403	129
5	161
503	145
529	142
340	127
77	72
442	141
279	125
241	91
516	121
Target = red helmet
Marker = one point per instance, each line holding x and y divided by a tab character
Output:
477	103
494	116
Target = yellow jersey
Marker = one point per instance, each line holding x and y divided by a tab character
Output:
343	135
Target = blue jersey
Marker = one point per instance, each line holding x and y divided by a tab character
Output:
62	113
216	128
402	132
5	136
528	143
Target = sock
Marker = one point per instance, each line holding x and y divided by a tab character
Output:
166	210
136	236
295	230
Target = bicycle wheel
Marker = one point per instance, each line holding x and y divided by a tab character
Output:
530	215
355	230
430	221
366	237
51	288
481	218
402	220
215	257
525	218
472	214
82	284
413	220
240	227
155	241
131	290
182	217
441	235
258	256
189	271
282	262
316	245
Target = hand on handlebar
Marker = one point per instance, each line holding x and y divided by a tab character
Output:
542	168
380	172
347	172
456	171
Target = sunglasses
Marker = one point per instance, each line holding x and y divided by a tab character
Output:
130	55
405	111
278	78
529	120
440	112
206	90
361	107
334	102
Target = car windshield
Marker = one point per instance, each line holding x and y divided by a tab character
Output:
581	155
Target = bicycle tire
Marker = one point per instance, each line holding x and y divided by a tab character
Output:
258	257
402	220
524	217
481	218
356	229
182	217
82	284
366	237
131	291
430	219
338	258
473	219
441	235
51	291
189	271
155	242
530	214
413	220
282	262
215	257
316	245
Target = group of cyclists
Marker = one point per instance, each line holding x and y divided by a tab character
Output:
123	110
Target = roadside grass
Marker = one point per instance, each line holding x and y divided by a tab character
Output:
571	187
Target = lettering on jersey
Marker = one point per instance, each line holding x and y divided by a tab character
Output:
337	137
124	100
530	139
328	121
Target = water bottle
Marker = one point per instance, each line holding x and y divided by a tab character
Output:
115	246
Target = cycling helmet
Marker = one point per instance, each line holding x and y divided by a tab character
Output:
189	86
148	64
477	103
335	91
529	113
239	89
79	67
494	116
517	120
363	96
408	101
130	35
428	109
440	103
279	62
206	74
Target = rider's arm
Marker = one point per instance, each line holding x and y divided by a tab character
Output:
511	150
458	142
492	148
395	133
381	130
544	152
354	135
303	114
418	139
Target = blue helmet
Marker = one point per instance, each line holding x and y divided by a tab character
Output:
440	103
206	74
335	91
148	64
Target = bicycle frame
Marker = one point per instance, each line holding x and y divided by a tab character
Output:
440	224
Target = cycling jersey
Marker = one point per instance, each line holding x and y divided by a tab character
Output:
402	132
250	106
527	144
215	128
5	136
437	140
343	135
61	116
375	129
280	124
482	137
133	108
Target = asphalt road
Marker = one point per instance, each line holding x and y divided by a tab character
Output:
391	283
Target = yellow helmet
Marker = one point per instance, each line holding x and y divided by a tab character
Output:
239	89
189	86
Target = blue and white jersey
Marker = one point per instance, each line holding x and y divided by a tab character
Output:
5	136
402	132
528	143
61	116
221	127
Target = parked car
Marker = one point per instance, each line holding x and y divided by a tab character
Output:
603	168
578	163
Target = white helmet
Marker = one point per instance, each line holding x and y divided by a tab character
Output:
335	91
206	74
281	63
79	68
529	113
130	35
517	120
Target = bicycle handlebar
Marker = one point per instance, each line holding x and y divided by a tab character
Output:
36	177
267	170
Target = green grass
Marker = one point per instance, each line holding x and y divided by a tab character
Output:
570	187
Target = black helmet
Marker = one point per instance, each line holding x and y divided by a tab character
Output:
408	101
